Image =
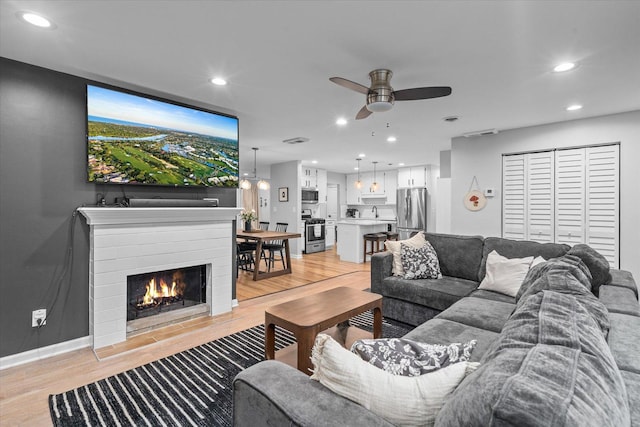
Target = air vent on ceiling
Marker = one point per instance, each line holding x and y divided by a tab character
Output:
480	133
296	140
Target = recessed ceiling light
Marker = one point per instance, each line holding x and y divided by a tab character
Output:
218	81
391	139
400	164
361	155
574	107
565	66
356	168
35	19
341	121
314	161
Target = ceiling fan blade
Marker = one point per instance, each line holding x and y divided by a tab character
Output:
422	93
363	113
350	85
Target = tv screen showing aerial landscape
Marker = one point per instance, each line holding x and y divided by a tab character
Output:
135	139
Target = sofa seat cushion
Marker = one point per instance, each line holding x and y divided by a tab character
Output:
619	300
271	393
518	249
632	383
436	293
550	366
458	256
624	341
482	314
441	331
495	296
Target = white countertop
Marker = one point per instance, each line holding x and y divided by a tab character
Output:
366	221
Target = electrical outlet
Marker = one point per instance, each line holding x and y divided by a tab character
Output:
39	318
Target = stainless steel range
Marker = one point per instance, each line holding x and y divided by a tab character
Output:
314	229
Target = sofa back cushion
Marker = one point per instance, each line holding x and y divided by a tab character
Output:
459	256
519	249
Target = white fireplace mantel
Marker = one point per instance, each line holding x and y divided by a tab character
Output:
121	215
127	241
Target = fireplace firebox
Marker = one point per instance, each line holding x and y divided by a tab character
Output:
150	294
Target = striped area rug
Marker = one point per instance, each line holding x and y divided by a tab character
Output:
190	388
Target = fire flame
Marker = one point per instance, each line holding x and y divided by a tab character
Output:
154	292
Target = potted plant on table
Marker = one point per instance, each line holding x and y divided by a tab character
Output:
248	217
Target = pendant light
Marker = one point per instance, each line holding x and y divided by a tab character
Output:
374	184
245	184
358	182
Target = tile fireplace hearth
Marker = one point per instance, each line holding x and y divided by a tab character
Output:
132	241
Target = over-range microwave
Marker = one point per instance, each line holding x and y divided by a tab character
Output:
309	196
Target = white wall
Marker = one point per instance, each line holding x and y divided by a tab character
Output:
482	157
286	175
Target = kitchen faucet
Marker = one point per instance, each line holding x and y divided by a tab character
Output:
375	209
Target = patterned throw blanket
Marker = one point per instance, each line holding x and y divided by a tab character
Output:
551	365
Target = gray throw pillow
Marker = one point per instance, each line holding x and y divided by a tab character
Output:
404	357
596	263
420	263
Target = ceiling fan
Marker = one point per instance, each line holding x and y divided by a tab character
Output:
381	96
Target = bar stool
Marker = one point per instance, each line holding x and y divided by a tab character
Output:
375	239
391	235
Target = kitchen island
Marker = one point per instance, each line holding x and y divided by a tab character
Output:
350	236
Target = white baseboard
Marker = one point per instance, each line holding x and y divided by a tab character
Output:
44	352
234	302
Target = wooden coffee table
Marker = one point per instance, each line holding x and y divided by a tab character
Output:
308	316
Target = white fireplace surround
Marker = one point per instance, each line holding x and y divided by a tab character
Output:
127	241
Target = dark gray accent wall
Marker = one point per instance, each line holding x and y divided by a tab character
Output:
42	182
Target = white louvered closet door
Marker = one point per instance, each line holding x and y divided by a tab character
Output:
539	197
570	196
602	206
514	218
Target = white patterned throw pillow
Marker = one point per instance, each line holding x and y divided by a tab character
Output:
420	263
403	401
393	246
400	356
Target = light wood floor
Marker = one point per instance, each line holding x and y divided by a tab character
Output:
24	390
311	268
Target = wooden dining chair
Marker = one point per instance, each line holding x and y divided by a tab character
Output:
274	246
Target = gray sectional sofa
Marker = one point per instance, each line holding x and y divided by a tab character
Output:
564	351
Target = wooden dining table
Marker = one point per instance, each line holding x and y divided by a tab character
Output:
262	236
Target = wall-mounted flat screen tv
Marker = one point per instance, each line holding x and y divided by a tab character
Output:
138	139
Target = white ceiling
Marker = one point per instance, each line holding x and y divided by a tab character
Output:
278	57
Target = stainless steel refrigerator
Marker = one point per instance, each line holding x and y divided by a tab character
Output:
412	211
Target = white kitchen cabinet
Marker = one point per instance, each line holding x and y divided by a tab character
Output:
385	193
353	193
415	176
390	186
322	185
308	178
330	233
316	179
367	182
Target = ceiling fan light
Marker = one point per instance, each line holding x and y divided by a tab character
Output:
379	107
